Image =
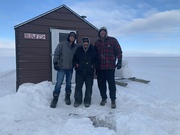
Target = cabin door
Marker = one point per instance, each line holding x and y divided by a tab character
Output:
57	35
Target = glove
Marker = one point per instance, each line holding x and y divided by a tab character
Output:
76	66
119	64
56	67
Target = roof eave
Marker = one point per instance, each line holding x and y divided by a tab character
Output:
16	26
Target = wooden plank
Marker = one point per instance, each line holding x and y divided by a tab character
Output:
121	83
138	80
134	79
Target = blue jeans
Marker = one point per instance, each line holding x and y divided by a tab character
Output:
60	78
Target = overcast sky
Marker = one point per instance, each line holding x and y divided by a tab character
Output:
143	28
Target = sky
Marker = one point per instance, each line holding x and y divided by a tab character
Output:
143	28
142	109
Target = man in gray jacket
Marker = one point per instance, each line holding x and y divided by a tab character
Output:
62	61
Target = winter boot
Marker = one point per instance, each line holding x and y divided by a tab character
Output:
103	102
113	104
67	98
54	101
87	104
76	104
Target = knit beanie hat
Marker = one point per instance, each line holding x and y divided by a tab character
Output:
85	39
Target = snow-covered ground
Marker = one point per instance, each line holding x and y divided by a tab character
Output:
142	109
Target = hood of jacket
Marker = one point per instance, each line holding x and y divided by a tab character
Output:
102	28
71	33
85	39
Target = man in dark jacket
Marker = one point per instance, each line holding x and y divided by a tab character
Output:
63	57
85	61
109	51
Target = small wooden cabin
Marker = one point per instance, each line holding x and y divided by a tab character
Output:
36	39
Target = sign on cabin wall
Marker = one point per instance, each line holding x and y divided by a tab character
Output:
34	36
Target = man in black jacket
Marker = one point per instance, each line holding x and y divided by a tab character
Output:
85	61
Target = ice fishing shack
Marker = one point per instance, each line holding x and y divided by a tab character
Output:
36	39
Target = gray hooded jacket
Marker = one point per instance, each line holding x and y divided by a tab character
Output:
64	53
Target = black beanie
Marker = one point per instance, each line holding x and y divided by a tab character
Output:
85	39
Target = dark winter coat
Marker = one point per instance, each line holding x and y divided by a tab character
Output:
87	60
